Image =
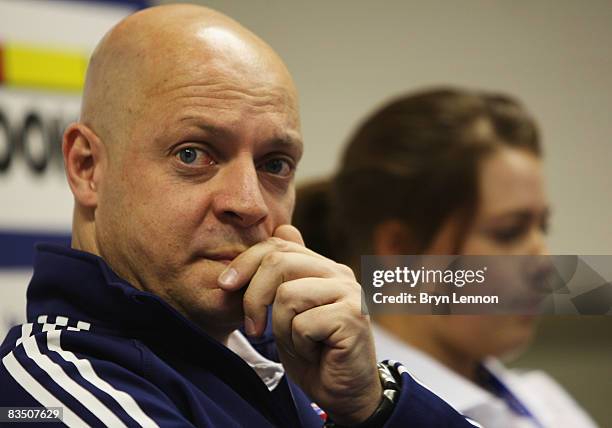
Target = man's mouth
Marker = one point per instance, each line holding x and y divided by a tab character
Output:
225	257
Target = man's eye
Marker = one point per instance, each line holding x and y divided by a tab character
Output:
278	166
190	155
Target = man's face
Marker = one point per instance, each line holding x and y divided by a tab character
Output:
205	171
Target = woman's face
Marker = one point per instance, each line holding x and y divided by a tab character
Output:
511	219
512	214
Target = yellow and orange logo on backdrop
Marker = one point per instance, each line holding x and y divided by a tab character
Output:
28	69
40	67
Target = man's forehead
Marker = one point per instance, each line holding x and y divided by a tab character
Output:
210	52
218	64
212	82
188	64
219	101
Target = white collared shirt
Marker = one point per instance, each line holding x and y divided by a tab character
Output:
550	405
270	372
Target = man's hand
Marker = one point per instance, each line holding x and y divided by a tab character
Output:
323	339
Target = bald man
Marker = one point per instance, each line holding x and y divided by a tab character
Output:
182	167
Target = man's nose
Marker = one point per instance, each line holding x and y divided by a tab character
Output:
240	199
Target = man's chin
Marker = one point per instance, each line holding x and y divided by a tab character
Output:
217	311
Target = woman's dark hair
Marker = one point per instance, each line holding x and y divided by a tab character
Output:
415	160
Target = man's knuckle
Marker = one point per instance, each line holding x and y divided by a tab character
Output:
351	287
279	244
284	294
273	258
298	326
345	270
351	308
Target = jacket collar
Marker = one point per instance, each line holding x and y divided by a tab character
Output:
72	282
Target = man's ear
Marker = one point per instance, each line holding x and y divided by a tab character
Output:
83	156
391	237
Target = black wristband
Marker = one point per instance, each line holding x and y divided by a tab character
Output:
390	381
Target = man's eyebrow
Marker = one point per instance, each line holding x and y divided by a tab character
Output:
216	131
286	139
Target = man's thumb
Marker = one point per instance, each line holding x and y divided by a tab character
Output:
289	233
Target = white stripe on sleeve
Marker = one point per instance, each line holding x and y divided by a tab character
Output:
82	395
38	392
86	370
59	320
26	331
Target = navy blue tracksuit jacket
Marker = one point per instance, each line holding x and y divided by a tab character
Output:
113	356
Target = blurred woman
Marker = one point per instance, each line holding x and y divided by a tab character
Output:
446	171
